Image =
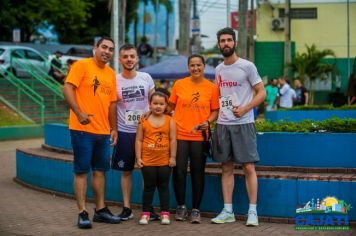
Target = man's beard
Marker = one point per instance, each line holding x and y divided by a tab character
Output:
227	53
129	68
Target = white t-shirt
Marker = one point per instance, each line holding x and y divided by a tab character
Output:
287	95
236	83
132	95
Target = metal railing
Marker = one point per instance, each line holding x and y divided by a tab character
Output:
23	91
42	77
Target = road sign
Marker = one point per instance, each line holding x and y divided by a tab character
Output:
195	25
16	35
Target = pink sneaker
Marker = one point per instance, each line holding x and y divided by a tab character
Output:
145	218
165	218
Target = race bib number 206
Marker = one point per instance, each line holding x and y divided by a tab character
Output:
132	117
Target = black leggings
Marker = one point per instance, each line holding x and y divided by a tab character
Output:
193	150
155	177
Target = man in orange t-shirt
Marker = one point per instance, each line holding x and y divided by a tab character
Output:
90	91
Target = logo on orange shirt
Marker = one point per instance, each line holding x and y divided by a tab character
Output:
195	97
96	84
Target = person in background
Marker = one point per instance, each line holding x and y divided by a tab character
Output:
156	148
134	88
145	52
302	96
55	70
337	99
235	132
194	100
286	94
163	87
351	86
271	95
90	93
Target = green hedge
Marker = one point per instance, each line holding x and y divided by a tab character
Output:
334	125
321	107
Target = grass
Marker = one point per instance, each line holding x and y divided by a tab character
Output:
10	118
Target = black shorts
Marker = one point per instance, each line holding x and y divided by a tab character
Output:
123	156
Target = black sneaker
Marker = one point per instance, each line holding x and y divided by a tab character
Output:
195	216
181	213
83	220
105	216
126	214
154	216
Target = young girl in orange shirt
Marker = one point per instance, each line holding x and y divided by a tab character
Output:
156	148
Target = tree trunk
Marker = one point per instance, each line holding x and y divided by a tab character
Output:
135	30
167	30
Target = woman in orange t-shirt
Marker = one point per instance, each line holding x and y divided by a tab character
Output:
155	149
195	102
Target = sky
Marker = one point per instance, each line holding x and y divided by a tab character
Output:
212	14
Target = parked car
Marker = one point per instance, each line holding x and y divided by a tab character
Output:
214	59
73	54
20	60
76	53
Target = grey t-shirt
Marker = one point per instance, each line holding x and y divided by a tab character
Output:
132	95
236	83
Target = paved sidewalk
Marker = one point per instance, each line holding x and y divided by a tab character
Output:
27	212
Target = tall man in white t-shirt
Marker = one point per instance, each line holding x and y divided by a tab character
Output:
235	134
133	91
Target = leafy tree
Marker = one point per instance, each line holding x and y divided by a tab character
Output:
68	16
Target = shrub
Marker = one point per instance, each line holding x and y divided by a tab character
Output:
335	125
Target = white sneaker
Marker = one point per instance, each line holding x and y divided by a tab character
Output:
224	217
252	219
145	218
165	218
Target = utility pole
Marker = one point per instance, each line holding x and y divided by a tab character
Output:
348	38
122	22
242	41
115	31
228	13
195	30
156	32
252	33
184	27
287	43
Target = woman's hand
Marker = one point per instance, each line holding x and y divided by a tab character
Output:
201	126
172	162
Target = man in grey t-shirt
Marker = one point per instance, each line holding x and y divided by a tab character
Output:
241	89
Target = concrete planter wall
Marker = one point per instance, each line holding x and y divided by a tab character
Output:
278	196
327	150
20	132
300	115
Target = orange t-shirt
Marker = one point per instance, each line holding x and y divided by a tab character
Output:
155	144
194	103
96	89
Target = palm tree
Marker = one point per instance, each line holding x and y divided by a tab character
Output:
169	9
310	66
